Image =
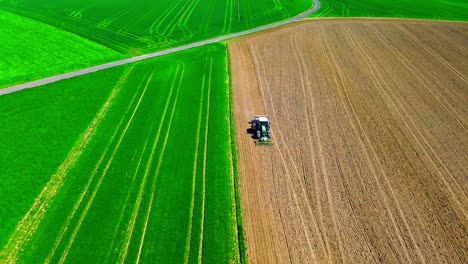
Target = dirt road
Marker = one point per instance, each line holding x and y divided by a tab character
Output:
370	122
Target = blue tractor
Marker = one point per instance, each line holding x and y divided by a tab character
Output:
261	125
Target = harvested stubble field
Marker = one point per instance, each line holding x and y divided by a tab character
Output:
370	161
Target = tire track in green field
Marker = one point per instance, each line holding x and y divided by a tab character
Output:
209	10
77	204
169	29
158	167
33	218
127	198
83	31
196	160
279	7
177	19
183	21
205	151
96	188
237	6
109	20
228	16
134	215
123	29
155	26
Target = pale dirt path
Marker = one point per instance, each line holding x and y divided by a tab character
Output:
314	7
378	171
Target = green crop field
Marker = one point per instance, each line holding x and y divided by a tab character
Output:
133	26
143	173
30	50
425	9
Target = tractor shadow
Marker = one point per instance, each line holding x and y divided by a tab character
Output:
252	132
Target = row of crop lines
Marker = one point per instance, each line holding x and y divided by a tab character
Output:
425	9
154	181
136	26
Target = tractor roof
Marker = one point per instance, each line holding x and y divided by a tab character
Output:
263	119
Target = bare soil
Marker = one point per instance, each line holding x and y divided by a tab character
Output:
370	156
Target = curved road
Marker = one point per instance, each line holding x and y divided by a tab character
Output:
101	67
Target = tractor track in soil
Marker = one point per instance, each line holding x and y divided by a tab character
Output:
369	125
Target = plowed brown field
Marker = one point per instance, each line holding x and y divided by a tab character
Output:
370	123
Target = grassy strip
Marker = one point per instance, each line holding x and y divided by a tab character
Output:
234	152
456	10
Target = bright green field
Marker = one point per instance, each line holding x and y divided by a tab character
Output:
139	167
426	9
30	50
135	26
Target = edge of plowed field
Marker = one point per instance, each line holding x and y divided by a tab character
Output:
234	155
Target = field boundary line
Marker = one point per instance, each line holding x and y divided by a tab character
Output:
235	195
241	236
27	226
28	85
